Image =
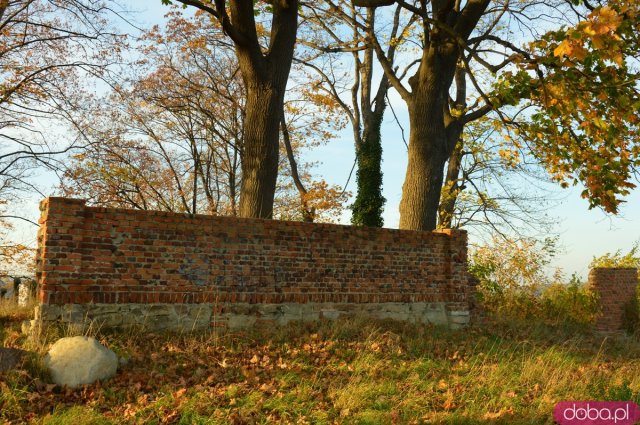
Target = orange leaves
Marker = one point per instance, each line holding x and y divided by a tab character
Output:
570	48
586	125
499	414
604	20
327	200
449	403
600	30
180	393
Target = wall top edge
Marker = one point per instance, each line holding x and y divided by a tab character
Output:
53	200
614	268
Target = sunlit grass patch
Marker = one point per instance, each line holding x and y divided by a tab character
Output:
76	415
346	372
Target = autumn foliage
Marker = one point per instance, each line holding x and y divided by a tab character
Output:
581	84
170	137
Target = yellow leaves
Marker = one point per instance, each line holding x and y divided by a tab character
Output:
584	103
320	99
617	58
602	21
570	48
514	263
600	123
601	30
598	42
395	41
563	49
509	157
457	112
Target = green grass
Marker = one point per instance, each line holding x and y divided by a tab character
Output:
347	372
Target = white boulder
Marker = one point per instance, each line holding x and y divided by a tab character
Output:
80	360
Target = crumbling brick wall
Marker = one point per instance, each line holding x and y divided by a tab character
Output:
114	263
616	289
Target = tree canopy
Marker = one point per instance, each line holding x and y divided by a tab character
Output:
213	112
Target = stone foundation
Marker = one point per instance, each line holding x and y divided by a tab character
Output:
198	317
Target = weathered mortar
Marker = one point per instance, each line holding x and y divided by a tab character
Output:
123	267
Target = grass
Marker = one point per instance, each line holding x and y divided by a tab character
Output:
348	372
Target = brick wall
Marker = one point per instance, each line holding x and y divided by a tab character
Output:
616	288
113	262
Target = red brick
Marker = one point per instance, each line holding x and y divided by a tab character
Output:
171	258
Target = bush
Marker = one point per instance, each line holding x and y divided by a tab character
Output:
572	302
609	260
514	286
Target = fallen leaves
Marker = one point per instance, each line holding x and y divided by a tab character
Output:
382	377
499	414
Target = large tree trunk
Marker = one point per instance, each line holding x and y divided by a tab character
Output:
427	156
265	78
428	101
260	150
429	142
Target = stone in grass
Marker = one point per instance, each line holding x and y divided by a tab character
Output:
80	360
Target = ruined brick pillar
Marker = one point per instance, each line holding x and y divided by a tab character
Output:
616	288
58	256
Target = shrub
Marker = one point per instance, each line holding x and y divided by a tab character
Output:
573	302
515	287
630	259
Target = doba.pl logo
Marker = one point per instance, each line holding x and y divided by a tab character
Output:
596	413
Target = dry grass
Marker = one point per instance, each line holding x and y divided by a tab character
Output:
352	372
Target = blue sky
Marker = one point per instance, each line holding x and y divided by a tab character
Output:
583	233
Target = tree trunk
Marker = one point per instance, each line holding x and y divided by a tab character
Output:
427	156
430	144
260	150
369	203
265	76
428	100
451	188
